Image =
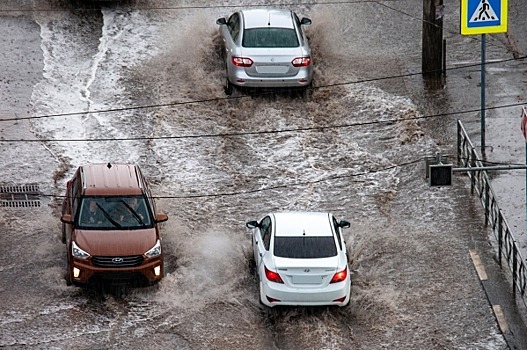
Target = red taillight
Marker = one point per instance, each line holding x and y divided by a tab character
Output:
272	276
301	61
242	61
340	276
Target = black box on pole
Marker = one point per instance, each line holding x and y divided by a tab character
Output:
440	175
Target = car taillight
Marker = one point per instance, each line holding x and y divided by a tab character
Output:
242	61
301	61
272	276
340	276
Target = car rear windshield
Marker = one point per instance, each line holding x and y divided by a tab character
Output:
305	247
113	213
270	37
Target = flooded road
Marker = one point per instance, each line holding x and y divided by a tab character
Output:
141	82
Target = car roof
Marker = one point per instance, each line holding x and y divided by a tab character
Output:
111	179
272	17
299	224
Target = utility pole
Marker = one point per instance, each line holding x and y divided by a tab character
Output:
432	50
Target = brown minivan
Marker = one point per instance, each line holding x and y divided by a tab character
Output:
109	224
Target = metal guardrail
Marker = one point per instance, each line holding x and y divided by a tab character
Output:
480	183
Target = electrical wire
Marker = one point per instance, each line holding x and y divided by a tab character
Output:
215	99
276	187
264	132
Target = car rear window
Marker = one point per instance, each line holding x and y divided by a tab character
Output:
305	247
270	37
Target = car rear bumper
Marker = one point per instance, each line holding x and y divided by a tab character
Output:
274	294
151	271
239	78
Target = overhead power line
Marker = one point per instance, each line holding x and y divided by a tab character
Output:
215	99
276	187
265	132
194	7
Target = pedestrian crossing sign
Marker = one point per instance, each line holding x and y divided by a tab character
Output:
483	16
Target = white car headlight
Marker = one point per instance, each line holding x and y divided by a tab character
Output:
155	250
77	252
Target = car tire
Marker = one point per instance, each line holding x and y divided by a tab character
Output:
229	88
63	238
67	276
307	92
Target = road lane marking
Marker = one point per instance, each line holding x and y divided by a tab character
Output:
498	312
480	269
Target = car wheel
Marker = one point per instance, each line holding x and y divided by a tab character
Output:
307	92
67	276
229	88
63	233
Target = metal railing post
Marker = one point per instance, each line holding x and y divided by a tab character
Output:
514	267
500	239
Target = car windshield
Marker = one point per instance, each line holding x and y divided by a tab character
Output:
110	213
270	37
305	247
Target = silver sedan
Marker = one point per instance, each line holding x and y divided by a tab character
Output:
266	48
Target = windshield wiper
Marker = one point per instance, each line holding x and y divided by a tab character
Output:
107	216
134	213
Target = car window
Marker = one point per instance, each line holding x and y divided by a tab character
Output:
337	232
113	213
148	193
304	247
266	229
299	26
234	25
270	37
75	191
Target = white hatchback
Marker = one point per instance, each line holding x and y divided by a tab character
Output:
301	259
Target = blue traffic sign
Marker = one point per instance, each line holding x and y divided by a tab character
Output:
483	16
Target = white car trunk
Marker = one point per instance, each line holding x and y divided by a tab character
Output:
305	273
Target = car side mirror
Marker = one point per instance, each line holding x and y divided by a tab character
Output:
66	218
305	21
344	224
252	224
221	21
161	217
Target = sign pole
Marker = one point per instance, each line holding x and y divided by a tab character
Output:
524	132
483	17
482	115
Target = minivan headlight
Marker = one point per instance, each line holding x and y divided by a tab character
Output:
155	250
77	252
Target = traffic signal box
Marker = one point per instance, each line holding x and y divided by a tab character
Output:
441	175
438	173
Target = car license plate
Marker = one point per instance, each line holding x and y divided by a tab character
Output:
307	279
271	69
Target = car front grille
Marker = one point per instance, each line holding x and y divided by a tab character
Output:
117	261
